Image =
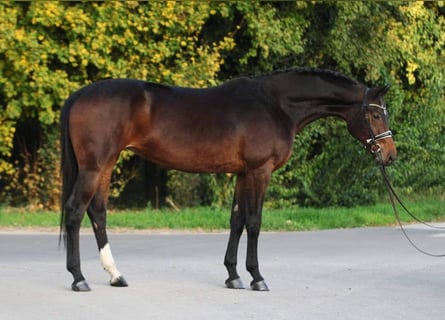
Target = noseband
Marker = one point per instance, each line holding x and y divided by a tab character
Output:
372	141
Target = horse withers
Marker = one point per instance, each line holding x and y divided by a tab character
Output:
245	126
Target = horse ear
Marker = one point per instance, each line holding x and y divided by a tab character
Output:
383	90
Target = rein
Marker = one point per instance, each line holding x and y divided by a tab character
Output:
392	195
375	149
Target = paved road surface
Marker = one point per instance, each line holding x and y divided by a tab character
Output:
337	274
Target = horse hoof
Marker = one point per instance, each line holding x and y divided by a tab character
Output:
234	284
119	282
259	286
81	286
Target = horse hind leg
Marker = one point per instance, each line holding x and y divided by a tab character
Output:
97	212
82	193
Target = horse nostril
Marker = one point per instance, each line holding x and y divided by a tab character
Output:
391	158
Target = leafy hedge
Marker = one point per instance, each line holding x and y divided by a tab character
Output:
50	49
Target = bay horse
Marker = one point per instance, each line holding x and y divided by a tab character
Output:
245	126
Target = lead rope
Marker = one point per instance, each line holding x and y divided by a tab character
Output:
392	195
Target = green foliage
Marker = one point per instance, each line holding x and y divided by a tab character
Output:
378	43
48	49
37	183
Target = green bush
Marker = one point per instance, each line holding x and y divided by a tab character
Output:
48	49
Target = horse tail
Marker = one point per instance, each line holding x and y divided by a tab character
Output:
69	168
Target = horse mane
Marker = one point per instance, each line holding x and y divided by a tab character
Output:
334	75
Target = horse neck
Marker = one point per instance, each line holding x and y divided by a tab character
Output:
308	98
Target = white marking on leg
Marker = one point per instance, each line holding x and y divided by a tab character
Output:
108	262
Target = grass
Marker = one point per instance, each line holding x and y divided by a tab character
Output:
208	219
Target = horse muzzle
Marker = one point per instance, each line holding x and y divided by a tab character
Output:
382	147
385	152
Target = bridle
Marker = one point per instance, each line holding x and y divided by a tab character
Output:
374	147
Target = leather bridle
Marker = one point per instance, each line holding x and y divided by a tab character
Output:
374	147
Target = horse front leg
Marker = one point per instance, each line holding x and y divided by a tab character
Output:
246	211
253	226
237	221
256	184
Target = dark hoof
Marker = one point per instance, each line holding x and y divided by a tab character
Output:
80	286
234	284
119	282
259	286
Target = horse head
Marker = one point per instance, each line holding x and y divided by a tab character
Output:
371	127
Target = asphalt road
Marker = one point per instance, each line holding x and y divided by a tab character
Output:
355	274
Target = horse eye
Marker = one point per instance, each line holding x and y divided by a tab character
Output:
376	116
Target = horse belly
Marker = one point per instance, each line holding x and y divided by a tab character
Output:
191	157
230	151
